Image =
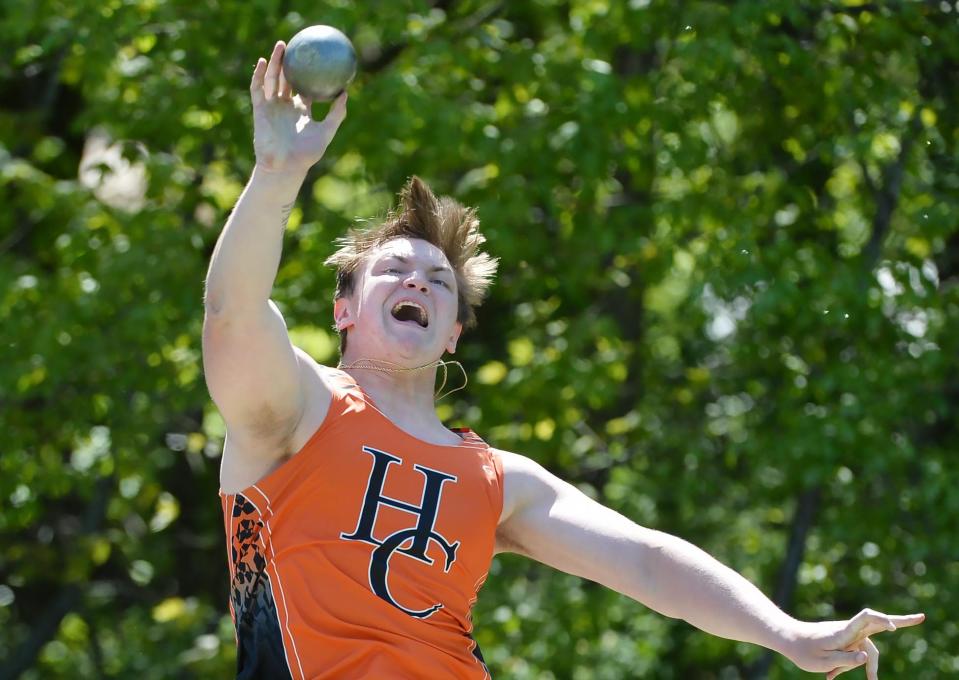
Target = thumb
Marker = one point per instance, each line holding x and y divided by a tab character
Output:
337	111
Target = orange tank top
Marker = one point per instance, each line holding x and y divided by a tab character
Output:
362	555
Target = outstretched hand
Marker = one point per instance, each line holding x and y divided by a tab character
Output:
834	647
285	136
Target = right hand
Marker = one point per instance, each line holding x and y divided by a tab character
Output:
285	136
834	647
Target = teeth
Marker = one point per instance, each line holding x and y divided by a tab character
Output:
407	303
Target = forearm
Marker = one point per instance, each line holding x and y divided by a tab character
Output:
685	582
247	254
555	523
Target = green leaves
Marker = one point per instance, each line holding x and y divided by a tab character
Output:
727	235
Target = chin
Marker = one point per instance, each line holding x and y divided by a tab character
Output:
409	349
414	354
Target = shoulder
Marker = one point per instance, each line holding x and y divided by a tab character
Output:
320	384
523	481
516	463
325	377
531	497
251	453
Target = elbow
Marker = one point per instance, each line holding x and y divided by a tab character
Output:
212	299
212	309
219	308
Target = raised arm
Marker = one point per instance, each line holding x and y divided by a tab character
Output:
254	374
553	522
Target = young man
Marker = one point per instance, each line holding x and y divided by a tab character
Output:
359	528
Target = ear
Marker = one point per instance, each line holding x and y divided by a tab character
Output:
342	314
454	338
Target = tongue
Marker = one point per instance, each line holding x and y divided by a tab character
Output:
408	313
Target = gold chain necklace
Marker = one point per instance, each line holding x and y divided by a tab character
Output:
389	367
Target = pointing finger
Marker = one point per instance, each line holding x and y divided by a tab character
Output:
862	625
907	620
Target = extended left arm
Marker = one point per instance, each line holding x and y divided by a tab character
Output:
554	523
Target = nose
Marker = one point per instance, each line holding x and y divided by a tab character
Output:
416	281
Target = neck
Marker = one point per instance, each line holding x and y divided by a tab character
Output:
402	393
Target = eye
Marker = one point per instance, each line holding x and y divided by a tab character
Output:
441	282
391	270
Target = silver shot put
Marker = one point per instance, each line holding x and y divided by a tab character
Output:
319	62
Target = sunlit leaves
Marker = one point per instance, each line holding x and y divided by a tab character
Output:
694	318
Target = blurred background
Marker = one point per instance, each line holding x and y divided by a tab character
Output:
727	304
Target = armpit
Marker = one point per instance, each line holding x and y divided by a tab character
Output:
505	543
266	425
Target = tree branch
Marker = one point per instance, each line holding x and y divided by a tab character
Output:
802	523
887	196
887	200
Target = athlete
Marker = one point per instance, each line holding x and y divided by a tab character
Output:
360	529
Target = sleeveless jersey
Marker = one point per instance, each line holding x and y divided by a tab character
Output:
361	556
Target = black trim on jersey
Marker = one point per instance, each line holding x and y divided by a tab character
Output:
259	641
477	652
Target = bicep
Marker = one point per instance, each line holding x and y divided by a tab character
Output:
253	372
555	523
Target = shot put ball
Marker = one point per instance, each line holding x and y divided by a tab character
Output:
319	62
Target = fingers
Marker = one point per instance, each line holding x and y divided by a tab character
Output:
256	84
852	646
839	671
907	620
844	661
271	82
320	134
869	622
851	659
284	89
872	663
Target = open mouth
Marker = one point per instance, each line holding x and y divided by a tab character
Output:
407	310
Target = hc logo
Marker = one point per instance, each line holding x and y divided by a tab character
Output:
415	539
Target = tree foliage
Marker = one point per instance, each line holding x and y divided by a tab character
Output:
727	304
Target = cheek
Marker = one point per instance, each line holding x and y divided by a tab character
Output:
375	292
451	310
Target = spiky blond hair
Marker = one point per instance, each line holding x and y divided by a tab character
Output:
442	221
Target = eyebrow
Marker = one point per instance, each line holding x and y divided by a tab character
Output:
406	260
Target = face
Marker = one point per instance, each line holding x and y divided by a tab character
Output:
403	306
